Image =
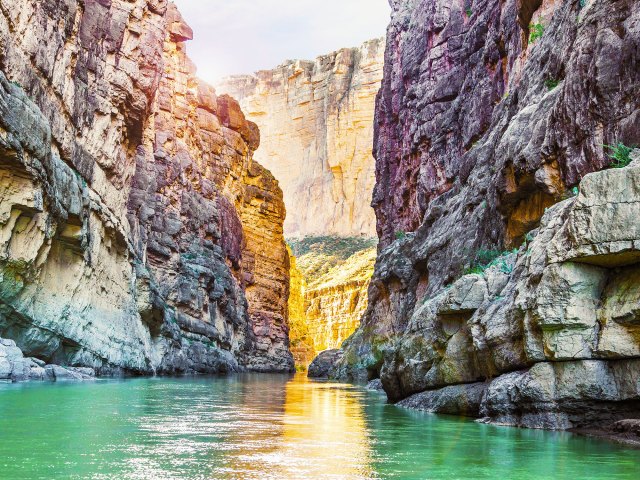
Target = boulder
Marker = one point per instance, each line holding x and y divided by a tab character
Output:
323	363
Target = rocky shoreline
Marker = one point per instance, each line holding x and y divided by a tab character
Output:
15	367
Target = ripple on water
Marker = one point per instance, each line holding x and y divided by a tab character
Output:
271	427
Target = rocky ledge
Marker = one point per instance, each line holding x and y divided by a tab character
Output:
15	367
545	336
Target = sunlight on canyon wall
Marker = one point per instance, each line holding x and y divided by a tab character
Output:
316	125
329	282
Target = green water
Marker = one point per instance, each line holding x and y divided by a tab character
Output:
264	427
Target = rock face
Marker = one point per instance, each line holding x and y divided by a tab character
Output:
329	281
323	363
544	337
316	123
488	117
301	340
137	233
335	302
14	367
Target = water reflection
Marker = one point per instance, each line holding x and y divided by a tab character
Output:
270	427
324	424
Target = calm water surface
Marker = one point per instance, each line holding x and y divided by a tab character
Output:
270	427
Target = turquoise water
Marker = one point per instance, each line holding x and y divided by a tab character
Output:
270	427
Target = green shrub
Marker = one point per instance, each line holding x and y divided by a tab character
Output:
536	30
469	12
551	84
620	155
489	258
341	247
400	235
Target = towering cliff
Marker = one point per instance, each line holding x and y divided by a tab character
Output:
301	340
490	114
136	231
316	123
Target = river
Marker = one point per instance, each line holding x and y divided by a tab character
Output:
270	427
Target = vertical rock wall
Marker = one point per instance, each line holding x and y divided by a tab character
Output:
329	281
316	121
490	114
132	211
335	302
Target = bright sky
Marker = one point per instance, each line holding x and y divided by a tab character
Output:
242	36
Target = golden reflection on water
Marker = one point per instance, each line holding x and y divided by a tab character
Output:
323	423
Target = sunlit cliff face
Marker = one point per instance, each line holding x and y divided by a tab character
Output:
329	284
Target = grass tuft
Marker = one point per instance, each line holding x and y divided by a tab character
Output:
489	258
551	84
620	154
536	31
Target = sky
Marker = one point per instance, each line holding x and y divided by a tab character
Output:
243	36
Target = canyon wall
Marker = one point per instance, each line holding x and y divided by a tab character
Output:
491	114
137	233
329	281
316	124
335	302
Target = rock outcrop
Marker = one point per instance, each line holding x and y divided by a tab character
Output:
544	337
322	365
137	233
316	123
14	367
488	117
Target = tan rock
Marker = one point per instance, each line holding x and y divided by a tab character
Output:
316	122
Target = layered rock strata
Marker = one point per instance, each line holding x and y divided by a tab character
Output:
301	341
329	282
488	117
545	337
335	303
134	223
316	123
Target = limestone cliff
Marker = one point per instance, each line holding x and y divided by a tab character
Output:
134	223
489	116
316	123
335	302
329	282
301	340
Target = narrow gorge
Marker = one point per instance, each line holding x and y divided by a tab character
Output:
285	274
316	124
